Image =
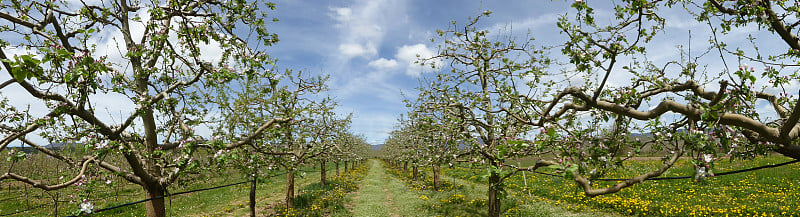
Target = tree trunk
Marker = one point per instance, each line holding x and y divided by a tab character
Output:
322	173
290	189
253	195
436	182
55	203
337	168
155	207
494	202
414	173
405	167
345	166
27	200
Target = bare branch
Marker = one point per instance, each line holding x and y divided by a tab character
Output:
257	133
125	174
40	184
589	191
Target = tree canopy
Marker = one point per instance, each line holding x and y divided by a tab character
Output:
599	97
168	66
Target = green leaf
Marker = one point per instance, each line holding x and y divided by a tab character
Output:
25	67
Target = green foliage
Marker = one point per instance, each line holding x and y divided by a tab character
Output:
24	67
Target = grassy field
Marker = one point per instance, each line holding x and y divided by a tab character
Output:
767	192
375	189
23	200
459	197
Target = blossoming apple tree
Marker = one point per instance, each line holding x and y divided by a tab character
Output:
150	58
604	99
431	138
473	91
697	104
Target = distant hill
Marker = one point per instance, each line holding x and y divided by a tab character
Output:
52	146
377	147
59	145
646	135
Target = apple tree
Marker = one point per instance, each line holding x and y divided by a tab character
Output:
152	59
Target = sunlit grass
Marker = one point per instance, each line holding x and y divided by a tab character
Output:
767	192
329	200
460	197
228	201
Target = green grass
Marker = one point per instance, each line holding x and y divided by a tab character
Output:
459	197
229	201
372	200
329	200
384	195
767	192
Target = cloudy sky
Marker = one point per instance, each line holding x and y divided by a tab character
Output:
369	46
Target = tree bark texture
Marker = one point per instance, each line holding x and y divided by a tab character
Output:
155	207
437	182
494	202
414	173
253	185
322	173
290	189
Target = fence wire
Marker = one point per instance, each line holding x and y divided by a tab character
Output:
666	178
175	194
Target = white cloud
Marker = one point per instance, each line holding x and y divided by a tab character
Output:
110	41
211	52
18	51
413	55
342	14
363	25
353	50
383	64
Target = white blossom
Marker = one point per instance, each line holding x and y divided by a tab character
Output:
707	158
101	145
86	207
701	173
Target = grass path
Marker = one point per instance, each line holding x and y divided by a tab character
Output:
383	195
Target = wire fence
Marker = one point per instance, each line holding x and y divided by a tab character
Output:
180	193
665	178
167	195
164	196
192	191
309	171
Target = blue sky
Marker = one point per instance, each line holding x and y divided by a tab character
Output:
368	46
